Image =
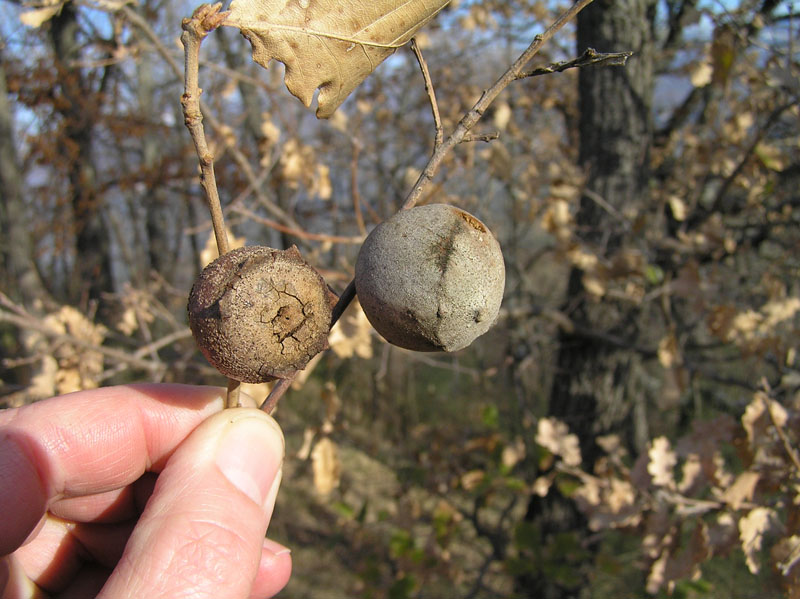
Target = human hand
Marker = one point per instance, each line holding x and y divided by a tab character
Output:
82	514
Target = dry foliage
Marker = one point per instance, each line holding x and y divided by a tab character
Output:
328	44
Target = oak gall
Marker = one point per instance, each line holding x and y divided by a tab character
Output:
431	278
258	314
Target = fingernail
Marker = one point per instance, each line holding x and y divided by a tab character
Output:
250	454
275	548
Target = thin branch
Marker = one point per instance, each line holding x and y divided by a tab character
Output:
426	76
277	391
590	57
722	192
296	232
204	20
362	228
469	120
485	137
601	201
31	323
348	295
787	445
476	112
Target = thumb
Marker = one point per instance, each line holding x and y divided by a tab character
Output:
202	531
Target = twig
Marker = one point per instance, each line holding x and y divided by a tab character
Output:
296	232
203	21
590	57
485	137
31	323
348	295
426	76
787	446
277	391
601	201
362	228
238	156
722	192
476	112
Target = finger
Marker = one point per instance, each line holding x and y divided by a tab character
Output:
117	505
86	583
89	442
62	548
204	525
14	582
273	571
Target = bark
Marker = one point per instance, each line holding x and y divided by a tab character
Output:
615	135
590	390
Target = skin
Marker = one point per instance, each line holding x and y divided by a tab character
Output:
139	491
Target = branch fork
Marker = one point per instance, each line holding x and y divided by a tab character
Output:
207	18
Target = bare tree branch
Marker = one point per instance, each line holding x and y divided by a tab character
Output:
590	57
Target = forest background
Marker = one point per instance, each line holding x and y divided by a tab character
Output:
629	427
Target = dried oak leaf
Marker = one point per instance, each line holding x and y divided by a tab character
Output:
554	436
751	533
662	462
326	466
328	44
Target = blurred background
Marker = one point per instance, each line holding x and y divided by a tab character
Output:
628	428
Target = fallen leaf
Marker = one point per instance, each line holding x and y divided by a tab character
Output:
325	44
513	453
470	480
757	422
751	533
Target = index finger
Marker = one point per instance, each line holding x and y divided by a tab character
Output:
89	442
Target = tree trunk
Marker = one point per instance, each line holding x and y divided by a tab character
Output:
18	274
92	270
615	137
593	368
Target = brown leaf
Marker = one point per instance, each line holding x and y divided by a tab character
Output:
554	435
327	44
757	422
326	466
741	490
751	533
38	16
669	352
662	462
